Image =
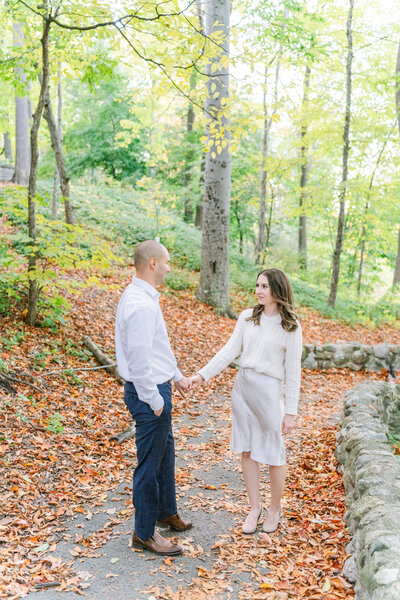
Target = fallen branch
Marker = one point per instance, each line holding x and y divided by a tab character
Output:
69	369
126	434
102	358
22	382
4	383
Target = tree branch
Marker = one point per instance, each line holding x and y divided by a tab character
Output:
163	69
115	23
60	371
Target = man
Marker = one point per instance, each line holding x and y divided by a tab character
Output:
146	362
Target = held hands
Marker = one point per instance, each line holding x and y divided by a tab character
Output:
196	381
184	385
288	423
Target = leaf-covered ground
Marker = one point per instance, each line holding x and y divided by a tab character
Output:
58	464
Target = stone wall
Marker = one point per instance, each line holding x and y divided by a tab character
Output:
351	355
371	476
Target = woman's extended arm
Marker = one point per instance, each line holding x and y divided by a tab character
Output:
227	354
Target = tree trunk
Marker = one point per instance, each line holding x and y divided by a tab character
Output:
33	284
56	183
189	156
239	222
397	86
214	274
58	153
264	174
346	143
59	130
22	147
396	277
198	221
268	226
263	190
271	208
303	177
366	209
7	147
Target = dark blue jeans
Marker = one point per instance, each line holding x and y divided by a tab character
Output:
154	495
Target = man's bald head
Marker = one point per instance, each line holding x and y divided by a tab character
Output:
147	250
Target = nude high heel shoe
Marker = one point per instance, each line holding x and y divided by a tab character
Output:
270	525
250	528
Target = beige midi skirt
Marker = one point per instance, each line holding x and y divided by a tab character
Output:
258	410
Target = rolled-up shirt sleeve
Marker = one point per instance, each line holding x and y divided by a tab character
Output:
177	375
139	336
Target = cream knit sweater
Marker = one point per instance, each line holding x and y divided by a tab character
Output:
268	349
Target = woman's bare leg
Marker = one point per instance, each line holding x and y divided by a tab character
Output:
251	476
277	477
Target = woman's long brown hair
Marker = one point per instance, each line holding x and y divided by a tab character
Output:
281	292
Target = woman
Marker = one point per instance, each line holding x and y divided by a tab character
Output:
267	339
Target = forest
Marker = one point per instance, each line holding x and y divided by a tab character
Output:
241	135
275	125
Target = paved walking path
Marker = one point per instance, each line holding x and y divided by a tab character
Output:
302	559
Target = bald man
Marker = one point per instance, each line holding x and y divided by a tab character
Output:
146	362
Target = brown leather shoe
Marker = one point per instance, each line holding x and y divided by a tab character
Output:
156	544
175	522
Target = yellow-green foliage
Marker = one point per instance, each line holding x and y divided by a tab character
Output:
60	248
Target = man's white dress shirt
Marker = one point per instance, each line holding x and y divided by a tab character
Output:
144	354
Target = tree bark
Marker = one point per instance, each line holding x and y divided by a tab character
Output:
346	144
268	227
263	190
189	156
102	358
7	147
260	246
59	156
198	220
304	176
235	207
397	86
56	183
22	147
396	277
60	135
366	209
214	273
33	283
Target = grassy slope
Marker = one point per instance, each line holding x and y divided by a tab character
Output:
131	217
125	217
